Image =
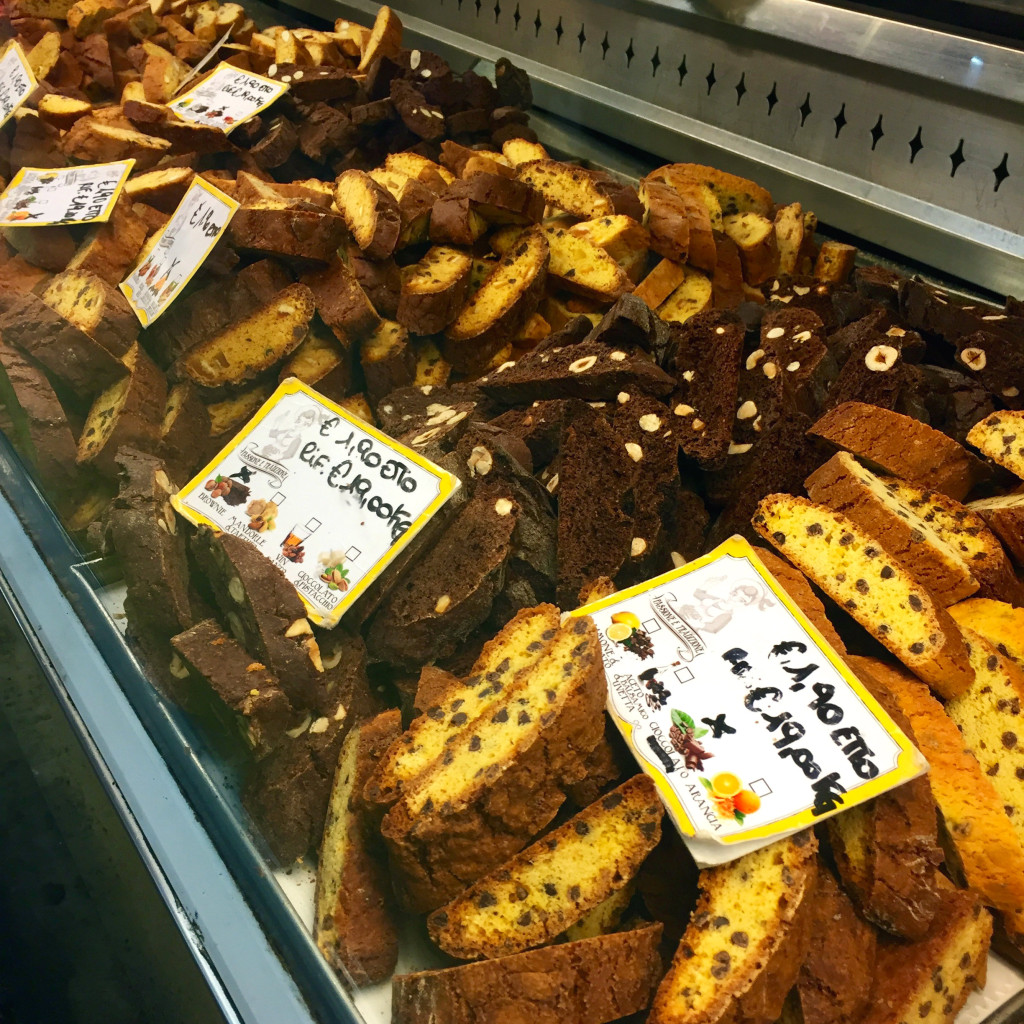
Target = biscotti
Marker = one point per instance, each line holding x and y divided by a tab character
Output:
1004	516
263	612
433	290
128	412
746	940
519	645
929	982
247	688
1001	437
591	981
851	489
999	623
552	884
354	925
853	568
500	783
902	446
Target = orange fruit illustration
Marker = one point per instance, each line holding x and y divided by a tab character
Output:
746	801
726	784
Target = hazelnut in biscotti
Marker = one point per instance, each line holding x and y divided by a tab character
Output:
851	489
519	644
743	948
245	349
902	446
554	883
500	782
590	981
853	568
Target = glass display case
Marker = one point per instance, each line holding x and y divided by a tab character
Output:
907	139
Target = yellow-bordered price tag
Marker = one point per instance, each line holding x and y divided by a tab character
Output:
328	498
17	82
750	724
171	260
227	98
43	196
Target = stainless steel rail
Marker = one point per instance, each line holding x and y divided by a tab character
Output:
907	137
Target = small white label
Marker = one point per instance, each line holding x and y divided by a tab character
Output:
17	82
40	196
181	248
328	498
227	98
751	725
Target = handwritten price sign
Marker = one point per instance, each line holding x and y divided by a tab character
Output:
180	250
227	98
751	725
38	196
328	498
17	82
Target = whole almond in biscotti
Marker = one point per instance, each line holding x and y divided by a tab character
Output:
850	488
247	348
434	290
566	187
370	211
741	952
853	568
554	883
494	315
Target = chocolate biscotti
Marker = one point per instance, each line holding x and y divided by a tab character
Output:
591	981
498	784
746	940
552	884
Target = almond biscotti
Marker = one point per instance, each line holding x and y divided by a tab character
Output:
498	784
853	568
746	940
551	885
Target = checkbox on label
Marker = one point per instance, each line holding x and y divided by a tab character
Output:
760	787
683	674
352	554
313	525
278	499
652	626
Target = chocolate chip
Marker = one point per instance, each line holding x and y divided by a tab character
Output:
1009	740
925	1008
574	892
428	805
917	648
550	694
851	604
1019	772
474	743
582	828
524	718
550	889
722	957
870	551
525	919
815	530
862	586
994	770
846	539
917	536
441	919
460	718
501	716
720	922
915	602
535	646
965	961
740	939
611	801
486	899
521	893
456	704
648	828
991	663
719	971
435	713
887	572
779	537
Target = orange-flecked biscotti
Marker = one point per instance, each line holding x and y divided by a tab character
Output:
853	568
986	843
998	622
519	644
1001	437
848	487
501	781
552	884
742	950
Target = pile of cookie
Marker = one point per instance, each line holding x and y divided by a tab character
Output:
621	376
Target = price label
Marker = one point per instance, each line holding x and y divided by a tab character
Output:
180	250
41	196
227	98
17	82
325	496
750	724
